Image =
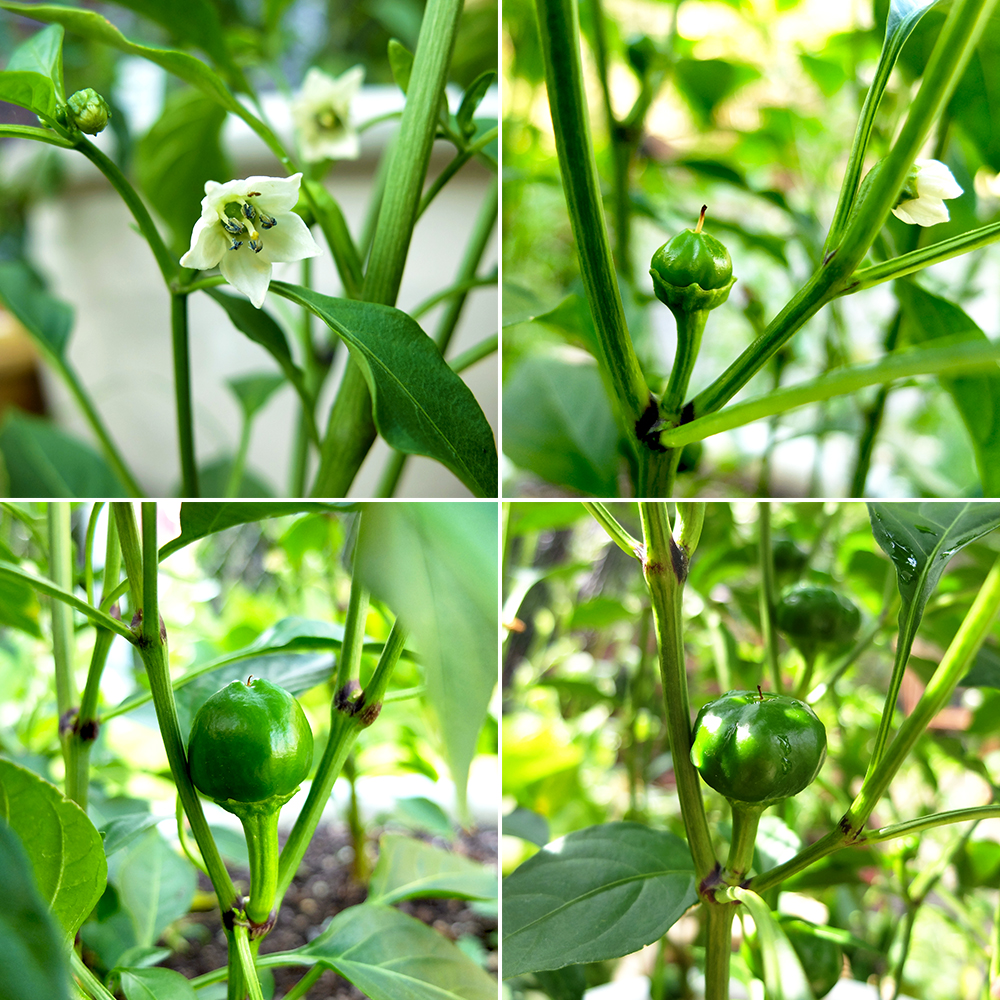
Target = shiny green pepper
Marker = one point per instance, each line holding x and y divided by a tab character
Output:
816	618
250	743
758	748
250	747
693	271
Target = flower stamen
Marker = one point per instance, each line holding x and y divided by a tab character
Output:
256	245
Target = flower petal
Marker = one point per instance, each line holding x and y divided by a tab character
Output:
922	211
208	244
935	179
277	194
248	272
290	240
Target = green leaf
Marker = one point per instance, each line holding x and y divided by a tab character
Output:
338	237
706	83
391	956
596	894
400	63
156	984
34	964
527	825
976	395
65	850
156	886
558	424
123	830
180	152
29	90
985	671
19	607
920	539
43	461
471	100
435	566
253	391
421	813
88	24
201	519
409	869
42	53
421	407
193	21
48	320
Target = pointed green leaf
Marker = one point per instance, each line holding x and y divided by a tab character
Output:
920	539
411	869
201	519
596	894
338	237
156	886
156	984
42	53
400	63
41	460
471	100
33	966
391	956
435	565
64	848
47	319
420	405
976	395
253	391
29	90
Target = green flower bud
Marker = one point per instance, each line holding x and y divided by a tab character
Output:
88	111
692	271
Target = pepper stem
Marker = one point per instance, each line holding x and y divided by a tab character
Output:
701	219
746	816
261	829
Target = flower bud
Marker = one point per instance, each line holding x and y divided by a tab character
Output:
692	271
88	111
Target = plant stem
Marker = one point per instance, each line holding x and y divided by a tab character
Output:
182	394
665	570
746	817
261	830
474	354
957	356
690	327
560	38
61	572
240	459
152	646
245	954
600	513
718	948
767	594
302	987
351	429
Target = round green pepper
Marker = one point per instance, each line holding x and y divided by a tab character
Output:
250	747
250	742
693	271
816	618
758	748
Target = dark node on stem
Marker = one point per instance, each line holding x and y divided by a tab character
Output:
829	256
850	834
163	630
679	560
136	623
88	730
687	413
344	699
67	721
115	611
229	917
648	426
712	881
367	714
265	928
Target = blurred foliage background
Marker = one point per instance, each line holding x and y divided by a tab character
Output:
748	106
584	740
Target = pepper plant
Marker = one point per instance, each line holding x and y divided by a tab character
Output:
399	381
246	745
599	399
772	841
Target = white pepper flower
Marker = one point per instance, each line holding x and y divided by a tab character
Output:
321	113
245	227
922	198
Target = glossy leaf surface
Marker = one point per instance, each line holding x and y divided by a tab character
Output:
409	869
598	893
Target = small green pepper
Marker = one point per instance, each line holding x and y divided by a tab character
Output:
816	618
758	748
250	747
693	271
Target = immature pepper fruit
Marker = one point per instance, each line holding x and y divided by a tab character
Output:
692	274
814	619
250	747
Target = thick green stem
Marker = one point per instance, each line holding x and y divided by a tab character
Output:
261	829
665	570
182	394
718	948
240	459
629	545
560	38
61	572
746	817
151	643
245	953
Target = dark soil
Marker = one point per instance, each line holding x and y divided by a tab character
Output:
323	887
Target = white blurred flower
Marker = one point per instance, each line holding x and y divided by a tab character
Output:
245	227
321	113
922	198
